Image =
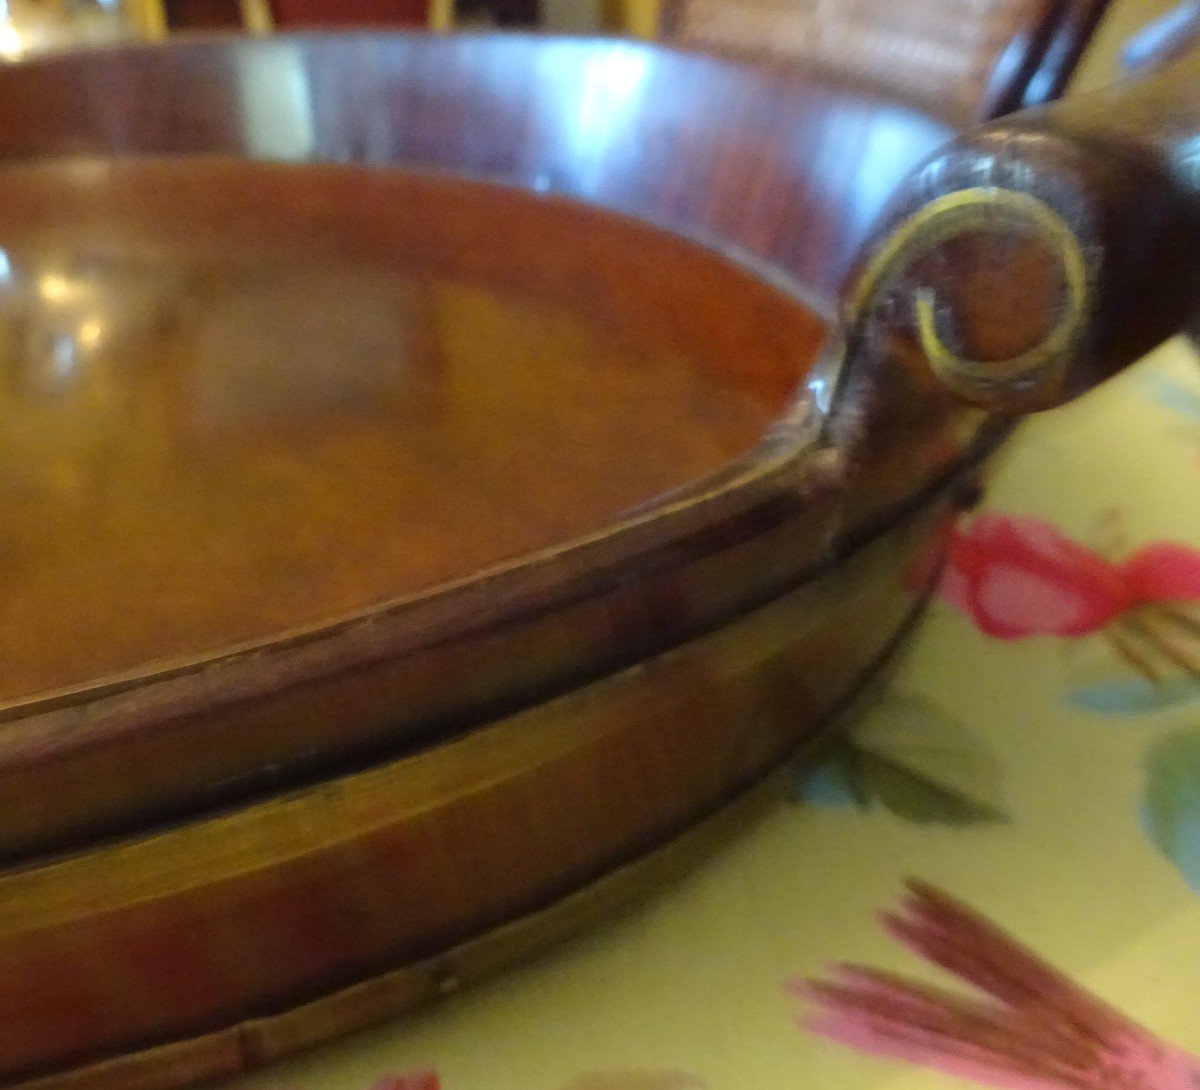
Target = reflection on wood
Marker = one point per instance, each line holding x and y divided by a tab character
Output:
211	446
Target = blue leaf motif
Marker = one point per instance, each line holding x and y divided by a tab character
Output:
1171	802
1122	696
831	784
1171	394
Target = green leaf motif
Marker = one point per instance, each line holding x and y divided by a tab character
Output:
1171	801
916	796
915	761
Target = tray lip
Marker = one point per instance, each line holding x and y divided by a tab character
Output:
775	466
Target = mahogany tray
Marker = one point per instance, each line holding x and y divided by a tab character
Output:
443	475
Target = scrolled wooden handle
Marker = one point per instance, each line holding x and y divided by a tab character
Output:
1032	258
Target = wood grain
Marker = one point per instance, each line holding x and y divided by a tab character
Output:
203	926
265	1039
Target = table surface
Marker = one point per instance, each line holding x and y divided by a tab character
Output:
1035	755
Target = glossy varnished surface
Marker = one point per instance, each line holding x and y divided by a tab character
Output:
423	773
209	929
793	166
1033	315
234	406
789	168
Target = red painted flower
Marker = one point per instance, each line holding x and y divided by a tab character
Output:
1016	577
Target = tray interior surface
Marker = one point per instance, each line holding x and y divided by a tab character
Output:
239	399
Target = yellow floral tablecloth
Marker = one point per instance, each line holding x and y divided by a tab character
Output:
1036	755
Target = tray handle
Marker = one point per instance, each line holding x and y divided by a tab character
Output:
1033	257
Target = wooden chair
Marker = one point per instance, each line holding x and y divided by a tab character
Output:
974	58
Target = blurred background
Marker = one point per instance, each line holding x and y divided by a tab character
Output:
798	29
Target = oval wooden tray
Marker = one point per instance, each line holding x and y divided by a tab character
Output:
181	633
427	495
423	505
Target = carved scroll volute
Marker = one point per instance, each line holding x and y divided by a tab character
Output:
1031	259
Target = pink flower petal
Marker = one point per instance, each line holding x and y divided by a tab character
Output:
955	589
1035	1030
1018	577
1164	572
414	1080
1011	602
861	1035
